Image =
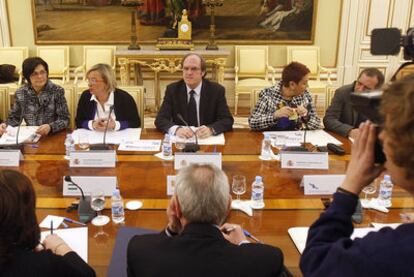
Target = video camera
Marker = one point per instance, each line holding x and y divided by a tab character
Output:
367	104
386	41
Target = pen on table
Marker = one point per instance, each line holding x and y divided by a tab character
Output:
51	227
247	234
64	225
73	221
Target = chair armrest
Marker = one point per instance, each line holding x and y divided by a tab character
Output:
327	70
20	77
273	70
77	70
236	75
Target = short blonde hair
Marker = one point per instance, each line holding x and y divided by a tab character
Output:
108	75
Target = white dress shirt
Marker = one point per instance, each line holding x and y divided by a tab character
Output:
102	111
197	94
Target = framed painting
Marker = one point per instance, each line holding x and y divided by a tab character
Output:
237	21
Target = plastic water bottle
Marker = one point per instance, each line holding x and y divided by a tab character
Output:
117	205
167	146
257	193
385	191
266	153
69	146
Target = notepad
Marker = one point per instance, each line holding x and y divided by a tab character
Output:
75	238
300	234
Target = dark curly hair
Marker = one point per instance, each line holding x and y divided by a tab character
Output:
397	106
19	228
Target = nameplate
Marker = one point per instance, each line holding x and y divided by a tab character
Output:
304	160
185	159
94	158
90	183
321	184
170	185
10	157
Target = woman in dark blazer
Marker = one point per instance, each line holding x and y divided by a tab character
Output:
21	253
95	103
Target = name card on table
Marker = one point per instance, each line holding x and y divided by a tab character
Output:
95	158
321	184
185	159
304	160
90	183
10	157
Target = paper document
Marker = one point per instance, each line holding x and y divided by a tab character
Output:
112	137
26	134
300	234
295	138
57	220
212	140
141	145
75	238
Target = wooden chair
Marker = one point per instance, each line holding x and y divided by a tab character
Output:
57	58
252	71
93	55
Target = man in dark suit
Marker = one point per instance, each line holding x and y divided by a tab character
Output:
340	117
199	102
196	242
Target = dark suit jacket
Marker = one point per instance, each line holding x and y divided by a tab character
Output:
125	110
201	250
340	116
45	263
214	111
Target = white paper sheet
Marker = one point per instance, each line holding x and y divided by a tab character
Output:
300	234
57	220
212	140
26	134
112	137
141	145
295	138
75	238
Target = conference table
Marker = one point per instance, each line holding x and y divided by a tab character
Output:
143	176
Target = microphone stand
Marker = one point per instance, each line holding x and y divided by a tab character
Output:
103	146
189	146
305	120
85	211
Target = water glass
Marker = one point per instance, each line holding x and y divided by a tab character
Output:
98	204
83	141
239	185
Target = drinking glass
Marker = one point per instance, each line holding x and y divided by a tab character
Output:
368	190
239	186
98	204
83	141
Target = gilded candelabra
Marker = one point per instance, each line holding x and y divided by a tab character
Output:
212	4
134	4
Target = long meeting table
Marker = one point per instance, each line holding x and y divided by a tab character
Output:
143	176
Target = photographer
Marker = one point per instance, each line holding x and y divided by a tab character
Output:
329	250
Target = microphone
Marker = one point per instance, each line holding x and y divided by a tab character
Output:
305	120
85	211
189	146
103	146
